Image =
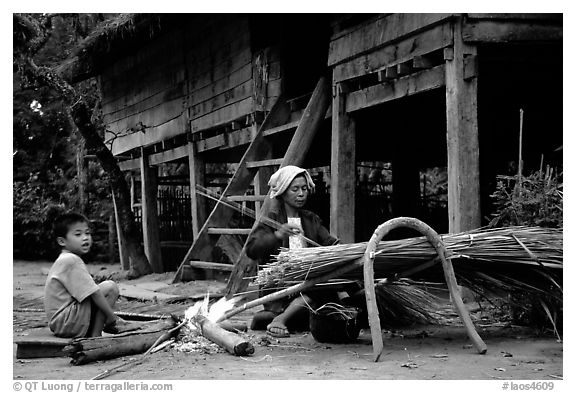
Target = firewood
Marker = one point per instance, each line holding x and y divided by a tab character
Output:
232	342
86	350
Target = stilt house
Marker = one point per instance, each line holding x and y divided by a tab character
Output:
394	115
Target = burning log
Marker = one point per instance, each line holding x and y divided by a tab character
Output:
201	316
231	342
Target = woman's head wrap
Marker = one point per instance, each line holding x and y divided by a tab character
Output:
282	178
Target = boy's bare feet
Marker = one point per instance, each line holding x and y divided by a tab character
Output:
122	326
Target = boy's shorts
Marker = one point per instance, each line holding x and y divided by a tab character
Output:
72	320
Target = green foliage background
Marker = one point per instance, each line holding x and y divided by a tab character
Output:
45	181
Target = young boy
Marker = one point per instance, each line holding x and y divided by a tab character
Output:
75	305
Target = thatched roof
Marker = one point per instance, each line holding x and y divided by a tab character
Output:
113	39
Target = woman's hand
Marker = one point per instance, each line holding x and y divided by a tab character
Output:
286	230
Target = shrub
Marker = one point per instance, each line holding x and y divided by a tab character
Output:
534	201
33	213
537	200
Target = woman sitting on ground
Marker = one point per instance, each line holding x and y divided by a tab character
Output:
290	187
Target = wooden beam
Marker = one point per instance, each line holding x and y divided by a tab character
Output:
211	265
239	137
380	32
228	231
174	154
261	188
422	62
402	87
343	172
382	76
201	249
470	67
462	139
421	44
150	230
284	127
263	163
153	134
501	31
312	118
404	68
509	16
214	142
391	72
122	250
247	198
260	184
197	170
129	165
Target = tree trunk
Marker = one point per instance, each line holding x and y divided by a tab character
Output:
31	36
82	175
138	261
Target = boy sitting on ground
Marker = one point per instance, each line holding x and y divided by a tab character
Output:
75	305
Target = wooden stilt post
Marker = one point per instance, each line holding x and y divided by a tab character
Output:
122	250
261	178
197	169
462	137
343	170
150	228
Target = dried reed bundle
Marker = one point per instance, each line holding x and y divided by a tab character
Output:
504	251
402	304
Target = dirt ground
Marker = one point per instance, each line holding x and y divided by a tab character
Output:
419	353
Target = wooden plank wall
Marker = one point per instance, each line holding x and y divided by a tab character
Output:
382	31
200	76
221	70
143	98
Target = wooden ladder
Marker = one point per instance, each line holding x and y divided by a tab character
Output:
256	157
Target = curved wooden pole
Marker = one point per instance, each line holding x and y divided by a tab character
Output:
436	241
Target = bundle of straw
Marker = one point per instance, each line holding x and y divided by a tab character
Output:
402	304
503	255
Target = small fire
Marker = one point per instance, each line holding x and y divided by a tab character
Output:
212	313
